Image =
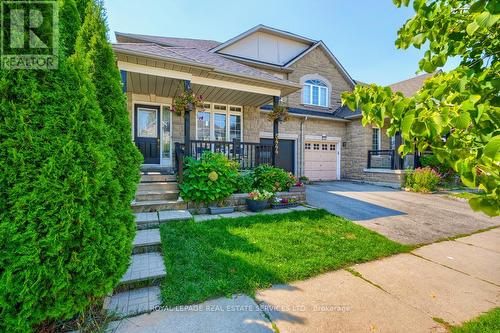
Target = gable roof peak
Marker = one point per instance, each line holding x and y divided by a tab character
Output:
264	28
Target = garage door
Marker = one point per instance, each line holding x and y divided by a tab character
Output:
320	160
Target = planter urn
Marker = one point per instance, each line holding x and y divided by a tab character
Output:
257	205
221	210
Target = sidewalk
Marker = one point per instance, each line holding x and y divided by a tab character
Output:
452	281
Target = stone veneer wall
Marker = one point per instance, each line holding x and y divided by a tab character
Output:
395	177
251	124
355	154
318	62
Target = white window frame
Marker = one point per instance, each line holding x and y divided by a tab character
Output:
379	138
320	88
212	111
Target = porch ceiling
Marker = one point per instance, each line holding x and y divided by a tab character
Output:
147	75
139	83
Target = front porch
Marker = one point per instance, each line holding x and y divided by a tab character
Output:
228	120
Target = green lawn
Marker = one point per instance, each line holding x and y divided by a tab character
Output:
222	257
487	323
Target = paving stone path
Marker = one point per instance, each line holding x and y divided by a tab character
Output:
452	281
138	290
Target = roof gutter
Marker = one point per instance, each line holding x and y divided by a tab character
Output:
356	116
307	116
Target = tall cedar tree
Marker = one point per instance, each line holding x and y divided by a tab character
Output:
92	43
63	242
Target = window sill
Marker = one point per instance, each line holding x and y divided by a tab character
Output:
316	107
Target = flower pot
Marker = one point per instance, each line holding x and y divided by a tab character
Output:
257	205
284	205
221	210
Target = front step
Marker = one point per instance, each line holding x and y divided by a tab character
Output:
157	186
151	177
145	267
134	302
164	170
147	241
156	195
153	219
158	205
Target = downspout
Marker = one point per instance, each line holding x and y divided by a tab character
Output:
302	147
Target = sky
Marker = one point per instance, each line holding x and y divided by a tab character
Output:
360	33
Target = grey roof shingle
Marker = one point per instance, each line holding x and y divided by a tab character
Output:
197	56
410	87
346	113
407	87
201	44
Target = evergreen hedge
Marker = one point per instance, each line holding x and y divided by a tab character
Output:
65	221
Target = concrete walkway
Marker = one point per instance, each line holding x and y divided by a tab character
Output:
406	217
452	281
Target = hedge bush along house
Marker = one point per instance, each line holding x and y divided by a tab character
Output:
68	171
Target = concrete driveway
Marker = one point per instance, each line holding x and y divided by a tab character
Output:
405	217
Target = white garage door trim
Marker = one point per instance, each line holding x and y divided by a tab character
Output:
330	139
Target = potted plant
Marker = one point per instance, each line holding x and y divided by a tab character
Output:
298	185
304	180
257	200
221	208
186	100
279	203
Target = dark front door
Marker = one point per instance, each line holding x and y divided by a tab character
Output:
286	155
147	132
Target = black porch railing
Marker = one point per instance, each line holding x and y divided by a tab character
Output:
384	159
247	154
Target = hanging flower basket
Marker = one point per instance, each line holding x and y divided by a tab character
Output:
187	100
279	112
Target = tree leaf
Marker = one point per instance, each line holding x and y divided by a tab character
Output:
462	121
486	20
418	40
471	28
407	122
492	148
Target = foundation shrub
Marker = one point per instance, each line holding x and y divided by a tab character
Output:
422	180
211	179
272	179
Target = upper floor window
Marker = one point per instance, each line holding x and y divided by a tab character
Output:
315	92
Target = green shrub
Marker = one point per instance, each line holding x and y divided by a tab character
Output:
422	180
64	241
244	182
431	161
272	179
212	178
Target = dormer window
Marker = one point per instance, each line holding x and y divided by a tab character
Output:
315	92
